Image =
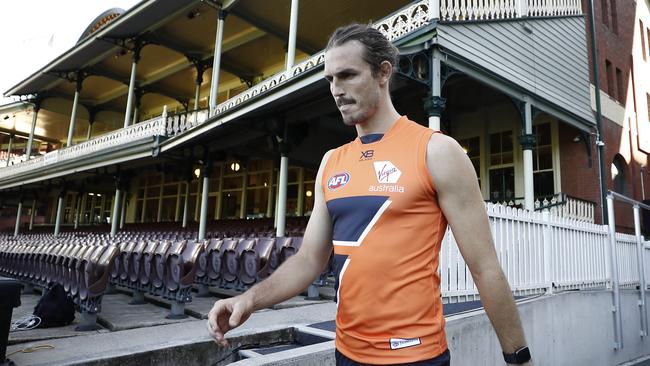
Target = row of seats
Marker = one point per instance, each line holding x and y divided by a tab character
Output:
85	266
82	269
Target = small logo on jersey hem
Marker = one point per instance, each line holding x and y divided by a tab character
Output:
338	180
398	343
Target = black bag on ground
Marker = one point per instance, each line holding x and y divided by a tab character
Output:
55	308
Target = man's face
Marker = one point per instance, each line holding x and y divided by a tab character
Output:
355	90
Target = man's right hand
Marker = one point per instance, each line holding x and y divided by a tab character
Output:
228	314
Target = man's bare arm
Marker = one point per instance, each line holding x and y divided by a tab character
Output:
462	203
288	280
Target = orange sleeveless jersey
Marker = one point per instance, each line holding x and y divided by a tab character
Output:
387	231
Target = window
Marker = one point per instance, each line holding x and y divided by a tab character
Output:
543	178
642	30
618	170
609	71
619	86
501	148
502	172
605	12
502	184
614	13
472	147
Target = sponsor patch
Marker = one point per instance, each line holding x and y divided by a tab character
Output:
386	172
338	181
397	343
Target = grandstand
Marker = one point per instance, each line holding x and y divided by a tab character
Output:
169	159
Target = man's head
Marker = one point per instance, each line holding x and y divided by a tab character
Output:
359	63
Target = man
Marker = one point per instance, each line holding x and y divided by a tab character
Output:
383	203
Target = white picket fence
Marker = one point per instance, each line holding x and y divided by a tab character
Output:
541	252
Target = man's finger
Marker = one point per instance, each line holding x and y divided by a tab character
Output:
235	317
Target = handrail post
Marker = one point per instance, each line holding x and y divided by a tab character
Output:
616	291
641	271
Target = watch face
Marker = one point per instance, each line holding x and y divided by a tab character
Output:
520	356
523	355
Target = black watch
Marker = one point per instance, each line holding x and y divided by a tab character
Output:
520	356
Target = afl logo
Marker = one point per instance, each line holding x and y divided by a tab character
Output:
338	180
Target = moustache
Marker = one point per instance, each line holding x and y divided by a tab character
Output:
343	101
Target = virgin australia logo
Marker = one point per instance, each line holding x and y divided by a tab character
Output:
386	172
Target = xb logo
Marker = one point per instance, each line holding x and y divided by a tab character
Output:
367	155
338	181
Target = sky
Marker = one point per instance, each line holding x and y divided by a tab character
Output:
34	32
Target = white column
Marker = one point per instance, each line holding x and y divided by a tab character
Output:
521	8
160	198
242	202
529	189
30	140
186	203
73	115
434	9
216	64
136	111
93	203
90	131
32	214
270	201
129	99
123	213
434	114
197	95
293	30
77	209
177	212
115	215
217	214
203	220
11	142
143	213
197	204
59	213
18	214
301	192
101	209
282	196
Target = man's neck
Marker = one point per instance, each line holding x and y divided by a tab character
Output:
380	122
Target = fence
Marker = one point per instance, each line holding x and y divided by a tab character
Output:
540	252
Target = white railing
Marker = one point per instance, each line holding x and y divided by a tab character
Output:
394	26
182	122
123	136
472	10
540	252
564	205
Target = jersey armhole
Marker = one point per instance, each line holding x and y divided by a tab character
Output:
425	175
326	171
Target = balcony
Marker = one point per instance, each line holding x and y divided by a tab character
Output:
144	138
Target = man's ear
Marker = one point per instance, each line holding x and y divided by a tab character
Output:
385	72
